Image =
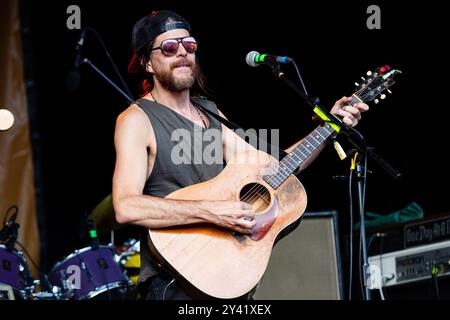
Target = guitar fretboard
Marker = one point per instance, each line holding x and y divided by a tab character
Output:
302	152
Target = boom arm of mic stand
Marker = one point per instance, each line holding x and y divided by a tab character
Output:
384	164
312	103
109	57
353	136
92	65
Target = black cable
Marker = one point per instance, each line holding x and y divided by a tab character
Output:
42	276
8	233
300	77
434	273
360	234
381	235
360	255
360	258
370	240
7	213
365	181
436	287
350	195
109	57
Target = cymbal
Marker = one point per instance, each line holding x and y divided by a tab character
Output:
105	217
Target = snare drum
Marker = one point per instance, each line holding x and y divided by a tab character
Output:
14	272
92	274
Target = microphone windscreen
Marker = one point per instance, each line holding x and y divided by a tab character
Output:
250	58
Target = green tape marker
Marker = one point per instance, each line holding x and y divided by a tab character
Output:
325	118
261	57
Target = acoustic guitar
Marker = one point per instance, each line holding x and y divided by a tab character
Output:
222	263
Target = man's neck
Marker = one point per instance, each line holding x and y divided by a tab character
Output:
178	101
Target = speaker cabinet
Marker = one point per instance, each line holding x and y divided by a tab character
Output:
305	265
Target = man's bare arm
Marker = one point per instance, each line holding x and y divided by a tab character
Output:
131	139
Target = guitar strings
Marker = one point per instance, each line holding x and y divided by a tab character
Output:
255	191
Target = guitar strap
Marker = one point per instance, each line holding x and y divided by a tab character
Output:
233	125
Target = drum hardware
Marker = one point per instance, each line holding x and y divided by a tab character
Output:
85	274
9	232
92	272
128	257
6	292
14	271
41	292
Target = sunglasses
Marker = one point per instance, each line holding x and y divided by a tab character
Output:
169	47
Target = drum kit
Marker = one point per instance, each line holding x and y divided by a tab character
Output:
85	274
96	272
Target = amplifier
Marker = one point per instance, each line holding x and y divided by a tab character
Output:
409	265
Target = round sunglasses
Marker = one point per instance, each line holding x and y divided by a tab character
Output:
169	47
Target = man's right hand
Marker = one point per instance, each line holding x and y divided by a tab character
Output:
234	215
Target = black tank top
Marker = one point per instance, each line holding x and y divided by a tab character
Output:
171	130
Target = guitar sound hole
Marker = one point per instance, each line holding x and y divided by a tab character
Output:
257	195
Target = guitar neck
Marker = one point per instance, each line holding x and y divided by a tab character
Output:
369	90
300	154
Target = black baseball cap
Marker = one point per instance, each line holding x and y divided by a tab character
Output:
148	28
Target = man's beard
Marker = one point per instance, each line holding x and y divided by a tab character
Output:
167	80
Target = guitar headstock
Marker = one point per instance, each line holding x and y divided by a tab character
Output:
375	83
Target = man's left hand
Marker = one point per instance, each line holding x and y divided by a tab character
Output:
350	114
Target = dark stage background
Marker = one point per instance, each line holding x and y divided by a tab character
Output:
332	47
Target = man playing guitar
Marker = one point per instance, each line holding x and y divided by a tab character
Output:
145	173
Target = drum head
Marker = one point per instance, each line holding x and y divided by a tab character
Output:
92	274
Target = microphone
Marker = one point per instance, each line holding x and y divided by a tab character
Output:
254	59
73	77
78	49
95	243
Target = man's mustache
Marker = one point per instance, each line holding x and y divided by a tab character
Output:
180	63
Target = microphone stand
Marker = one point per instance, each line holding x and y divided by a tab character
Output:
79	61
360	144
92	65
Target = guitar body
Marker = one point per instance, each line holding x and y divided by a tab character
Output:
217	261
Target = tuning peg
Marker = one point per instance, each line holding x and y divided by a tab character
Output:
369	73
363	79
385	69
389	91
357	84
383	96
376	101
